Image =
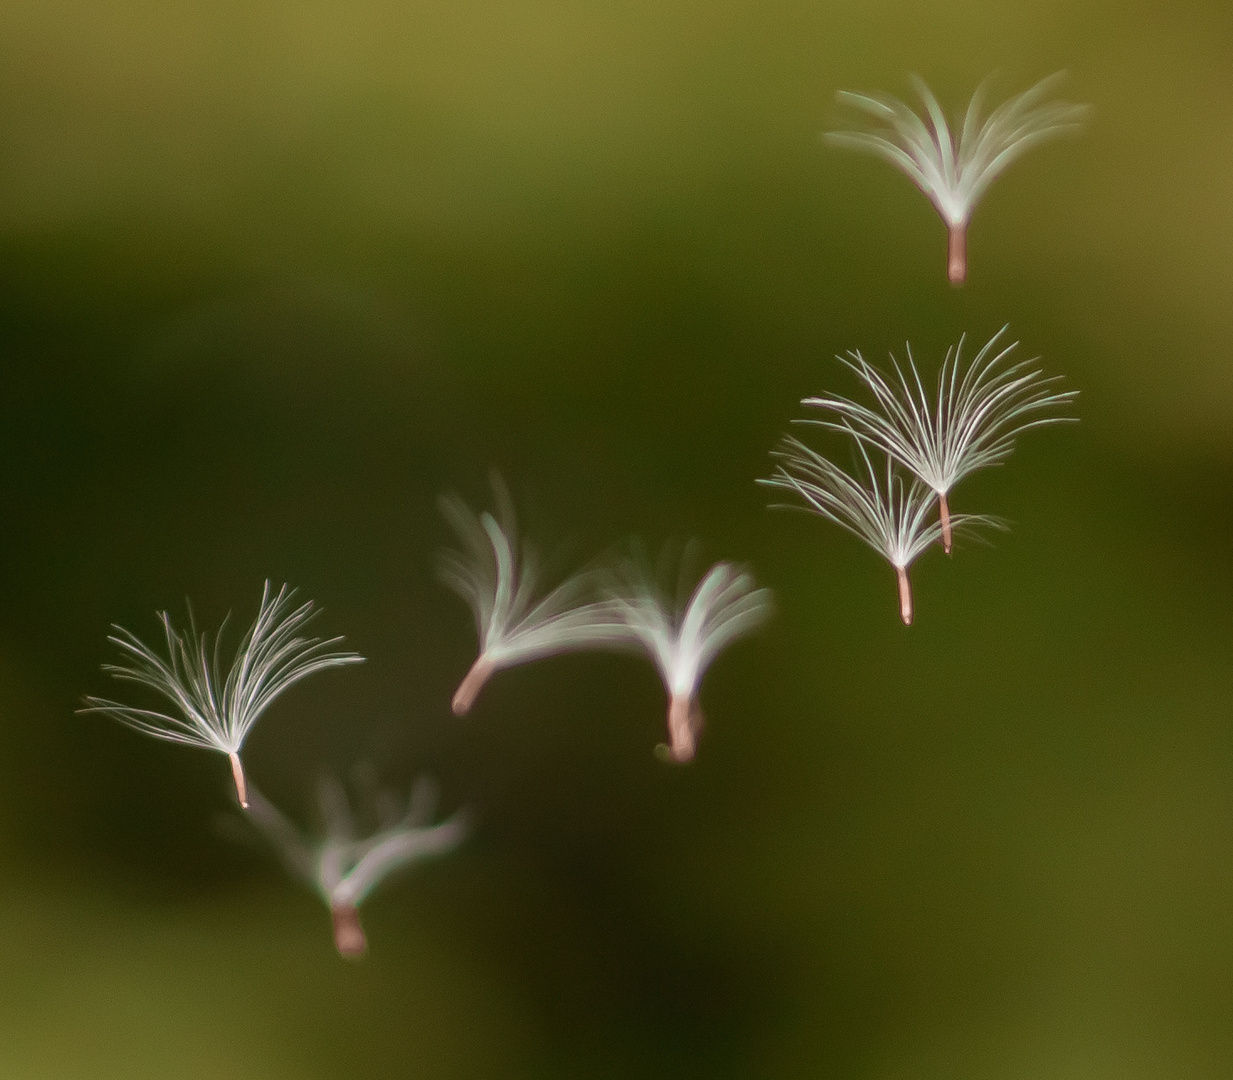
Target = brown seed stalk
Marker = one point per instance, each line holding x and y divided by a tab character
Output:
237	774
905	595
469	688
348	933
957	254
948	535
684	724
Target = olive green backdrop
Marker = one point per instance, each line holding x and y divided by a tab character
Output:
273	274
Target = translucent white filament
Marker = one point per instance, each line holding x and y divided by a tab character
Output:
954	173
213	710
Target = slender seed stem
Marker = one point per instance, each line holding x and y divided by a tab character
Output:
348	933
957	254
905	595
684	724
237	774
469	688
948	535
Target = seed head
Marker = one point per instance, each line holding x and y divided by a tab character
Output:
889	512
954	175
972	422
684	641
514	623
214	711
344	869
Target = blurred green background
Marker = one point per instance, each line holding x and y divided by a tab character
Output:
274	273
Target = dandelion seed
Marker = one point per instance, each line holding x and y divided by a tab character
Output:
955	176
724	606
889	514
344	870
514	625
213	711
972	423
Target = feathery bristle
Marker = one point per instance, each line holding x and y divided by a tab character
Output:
980	408
514	624
683	643
344	870
955	174
214	711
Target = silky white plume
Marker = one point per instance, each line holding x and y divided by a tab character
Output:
344	868
955	173
516	623
980	408
888	512
214	711
684	641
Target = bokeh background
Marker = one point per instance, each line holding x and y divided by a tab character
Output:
275	273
